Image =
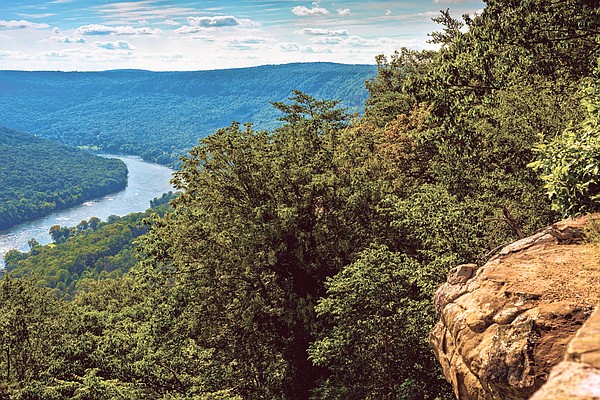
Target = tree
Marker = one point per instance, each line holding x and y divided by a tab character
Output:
60	234
83	225
30	328
253	236
375	343
395	89
94	223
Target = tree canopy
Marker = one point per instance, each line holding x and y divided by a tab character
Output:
300	262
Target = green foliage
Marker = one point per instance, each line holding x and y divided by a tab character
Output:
302	261
252	238
550	38
29	326
264	219
391	92
38	177
570	163
379	315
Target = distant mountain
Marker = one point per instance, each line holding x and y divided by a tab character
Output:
38	176
161	115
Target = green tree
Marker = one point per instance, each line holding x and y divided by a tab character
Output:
570	163
375	344
30	328
258	228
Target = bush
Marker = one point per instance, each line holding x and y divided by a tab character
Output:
570	163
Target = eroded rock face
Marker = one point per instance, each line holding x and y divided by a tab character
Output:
503	326
577	377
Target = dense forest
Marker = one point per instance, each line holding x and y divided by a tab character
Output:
160	115
38	176
300	262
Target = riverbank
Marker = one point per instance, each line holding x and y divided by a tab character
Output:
39	177
145	182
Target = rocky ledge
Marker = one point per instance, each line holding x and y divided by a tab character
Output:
503	326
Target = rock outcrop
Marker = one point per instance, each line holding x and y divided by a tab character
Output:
503	326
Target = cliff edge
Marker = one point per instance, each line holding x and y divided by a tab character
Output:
503	326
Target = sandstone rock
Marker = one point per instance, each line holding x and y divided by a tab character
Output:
503	326
570	381
585	347
578	376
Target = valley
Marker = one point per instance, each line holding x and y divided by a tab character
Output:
161	115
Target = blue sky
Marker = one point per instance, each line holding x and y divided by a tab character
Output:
176	35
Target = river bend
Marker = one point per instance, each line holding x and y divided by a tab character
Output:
145	182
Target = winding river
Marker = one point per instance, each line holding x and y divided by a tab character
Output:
145	182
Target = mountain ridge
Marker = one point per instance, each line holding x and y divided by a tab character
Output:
161	115
194	70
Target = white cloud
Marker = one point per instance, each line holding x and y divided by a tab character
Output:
305	11
118	45
95	29
13	55
190	30
352	41
295	47
345	12
427	14
175	57
247	43
171	22
357	41
449	1
319	50
327	40
289	46
388	12
22	24
251	40
56	31
220	21
133	11
55	54
323	32
68	40
37	16
99	30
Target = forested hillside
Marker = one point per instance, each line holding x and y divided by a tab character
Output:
301	262
38	176
161	115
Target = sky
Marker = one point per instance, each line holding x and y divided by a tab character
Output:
184	35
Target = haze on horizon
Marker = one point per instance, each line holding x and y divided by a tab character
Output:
173	35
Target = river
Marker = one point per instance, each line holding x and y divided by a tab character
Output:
145	182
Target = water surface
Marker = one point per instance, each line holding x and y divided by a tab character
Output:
145	182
